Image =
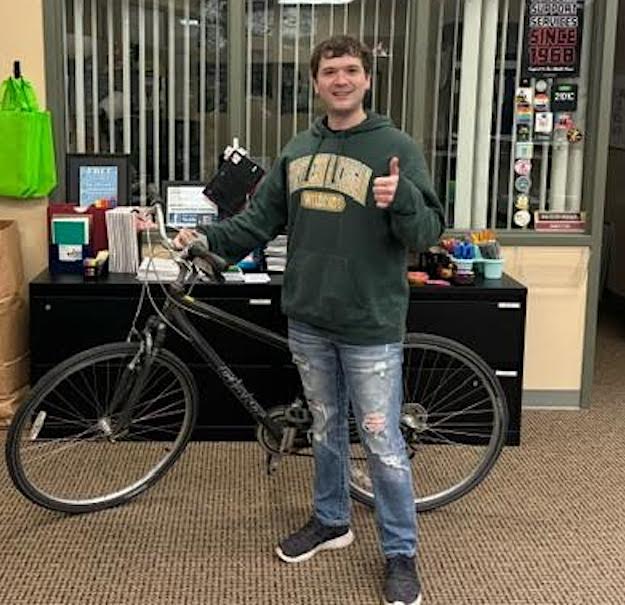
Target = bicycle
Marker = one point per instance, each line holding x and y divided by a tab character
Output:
107	423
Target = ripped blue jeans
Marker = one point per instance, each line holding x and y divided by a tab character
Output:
333	374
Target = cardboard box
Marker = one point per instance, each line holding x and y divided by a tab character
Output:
11	271
8	405
14	375
13	328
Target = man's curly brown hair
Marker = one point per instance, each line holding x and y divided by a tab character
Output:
338	46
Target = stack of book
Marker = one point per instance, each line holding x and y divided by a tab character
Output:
275	254
123	240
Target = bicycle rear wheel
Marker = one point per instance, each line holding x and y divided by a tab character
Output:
68	451
454	420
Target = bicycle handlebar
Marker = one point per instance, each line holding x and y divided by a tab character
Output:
197	252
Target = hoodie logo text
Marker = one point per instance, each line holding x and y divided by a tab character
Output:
333	173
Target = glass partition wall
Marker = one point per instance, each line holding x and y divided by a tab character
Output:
150	78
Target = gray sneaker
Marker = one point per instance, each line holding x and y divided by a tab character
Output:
310	539
401	586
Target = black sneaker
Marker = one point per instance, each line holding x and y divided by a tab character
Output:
401	586
313	537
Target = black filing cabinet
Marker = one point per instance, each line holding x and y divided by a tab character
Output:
68	315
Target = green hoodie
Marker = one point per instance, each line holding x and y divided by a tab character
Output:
346	260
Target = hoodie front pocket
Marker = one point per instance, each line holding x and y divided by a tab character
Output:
321	289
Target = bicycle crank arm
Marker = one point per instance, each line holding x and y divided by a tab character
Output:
288	438
272	461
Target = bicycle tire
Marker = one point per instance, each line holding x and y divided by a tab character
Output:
419	408
96	456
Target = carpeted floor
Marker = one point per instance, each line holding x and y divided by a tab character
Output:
548	527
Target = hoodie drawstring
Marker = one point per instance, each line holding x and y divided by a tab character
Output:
342	139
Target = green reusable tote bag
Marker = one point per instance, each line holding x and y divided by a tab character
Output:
27	163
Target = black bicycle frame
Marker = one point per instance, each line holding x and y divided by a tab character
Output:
174	311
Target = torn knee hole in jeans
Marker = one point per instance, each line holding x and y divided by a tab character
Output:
374	423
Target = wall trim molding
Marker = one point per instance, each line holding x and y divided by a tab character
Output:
553	399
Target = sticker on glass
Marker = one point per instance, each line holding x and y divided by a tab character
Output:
522	218
524	151
523	167
522	184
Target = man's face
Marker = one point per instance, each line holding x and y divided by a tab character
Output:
341	84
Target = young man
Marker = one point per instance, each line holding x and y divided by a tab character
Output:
354	194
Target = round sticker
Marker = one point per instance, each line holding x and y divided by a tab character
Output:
522	202
522	184
541	101
540	86
574	135
564	121
522	218
523	167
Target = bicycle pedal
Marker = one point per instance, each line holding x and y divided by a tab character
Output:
298	416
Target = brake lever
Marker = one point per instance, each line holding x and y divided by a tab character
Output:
206	267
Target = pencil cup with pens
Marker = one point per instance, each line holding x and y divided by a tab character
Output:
463	256
480	252
489	260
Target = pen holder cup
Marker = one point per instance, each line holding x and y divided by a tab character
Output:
493	268
464	264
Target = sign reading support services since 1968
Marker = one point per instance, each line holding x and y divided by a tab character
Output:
553	38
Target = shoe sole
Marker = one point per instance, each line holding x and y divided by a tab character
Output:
416	602
335	543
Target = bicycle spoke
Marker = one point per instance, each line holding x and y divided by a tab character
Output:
70	452
453	420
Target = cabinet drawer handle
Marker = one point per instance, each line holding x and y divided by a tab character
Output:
508	305
260	301
506	373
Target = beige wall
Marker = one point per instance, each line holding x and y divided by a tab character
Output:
556	279
21	37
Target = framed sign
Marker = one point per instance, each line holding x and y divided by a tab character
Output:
553	38
94	178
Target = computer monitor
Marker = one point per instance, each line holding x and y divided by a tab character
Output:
95	178
186	205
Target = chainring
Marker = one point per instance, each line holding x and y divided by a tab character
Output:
268	442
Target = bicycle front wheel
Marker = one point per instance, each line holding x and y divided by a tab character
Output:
68	450
454	420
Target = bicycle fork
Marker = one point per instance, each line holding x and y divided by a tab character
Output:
133	380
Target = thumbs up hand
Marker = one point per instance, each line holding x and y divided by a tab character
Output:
384	187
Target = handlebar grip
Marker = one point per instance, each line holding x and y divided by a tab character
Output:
198	249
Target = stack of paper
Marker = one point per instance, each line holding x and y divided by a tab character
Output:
123	242
158	269
275	254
